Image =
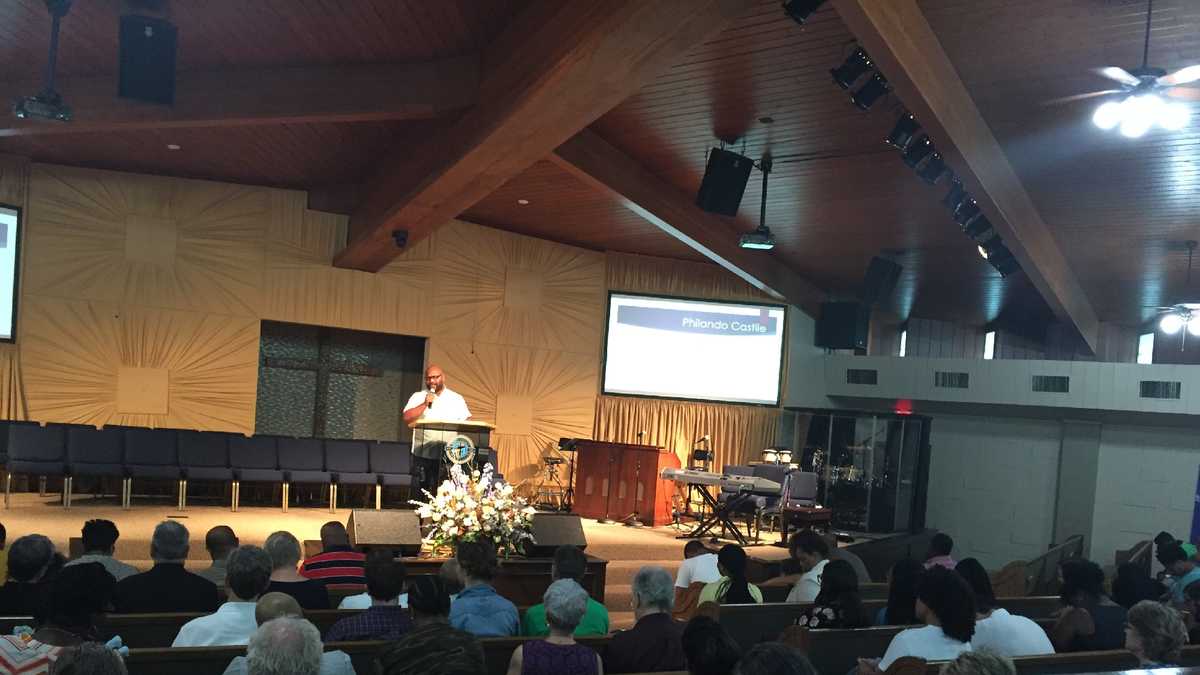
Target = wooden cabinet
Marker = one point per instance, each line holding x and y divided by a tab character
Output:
613	480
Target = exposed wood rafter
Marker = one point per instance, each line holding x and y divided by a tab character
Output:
555	70
899	39
596	162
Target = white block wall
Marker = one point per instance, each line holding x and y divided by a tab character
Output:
992	485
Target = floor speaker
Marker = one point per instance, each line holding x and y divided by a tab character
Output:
882	275
551	530
147	59
724	182
399	530
843	325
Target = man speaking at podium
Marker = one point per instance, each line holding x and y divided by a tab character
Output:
436	402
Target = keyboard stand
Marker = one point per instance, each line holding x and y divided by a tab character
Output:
719	515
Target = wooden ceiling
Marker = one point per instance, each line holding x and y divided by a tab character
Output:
838	195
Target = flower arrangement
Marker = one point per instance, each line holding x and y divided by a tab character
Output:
474	507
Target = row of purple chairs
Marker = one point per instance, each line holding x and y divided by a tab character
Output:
131	452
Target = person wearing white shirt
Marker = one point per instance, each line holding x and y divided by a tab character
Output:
946	604
699	568
995	628
248	573
436	402
812	552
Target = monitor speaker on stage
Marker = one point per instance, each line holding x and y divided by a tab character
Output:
399	530
724	182
551	530
843	325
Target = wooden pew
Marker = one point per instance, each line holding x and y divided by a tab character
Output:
1073	662
776	590
1140	554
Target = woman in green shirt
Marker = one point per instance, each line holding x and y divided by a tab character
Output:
569	563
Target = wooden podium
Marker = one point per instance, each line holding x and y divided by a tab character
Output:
432	437
613	480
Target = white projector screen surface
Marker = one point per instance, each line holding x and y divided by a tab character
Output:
9	222
692	349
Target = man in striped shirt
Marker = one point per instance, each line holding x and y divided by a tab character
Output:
338	566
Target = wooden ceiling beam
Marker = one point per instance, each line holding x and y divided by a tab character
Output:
905	49
555	70
596	162
244	97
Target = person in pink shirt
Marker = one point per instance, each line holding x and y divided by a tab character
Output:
939	552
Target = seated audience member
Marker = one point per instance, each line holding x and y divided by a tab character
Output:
940	547
569	563
946	605
77	597
1132	585
451	576
565	602
288	645
219	542
996	629
337	566
732	589
708	648
812	552
247	576
655	642
1155	634
385	619
479	609
31	563
1192	607
167	587
88	658
979	662
276	605
860	568
284	550
3	554
363	600
698	569
432	647
99	542
1163	540
900	609
774	658
1182	567
838	605
1090	621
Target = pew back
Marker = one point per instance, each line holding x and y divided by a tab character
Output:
1082	662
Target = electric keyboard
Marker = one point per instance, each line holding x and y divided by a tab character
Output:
739	483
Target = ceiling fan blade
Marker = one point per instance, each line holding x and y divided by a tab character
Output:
1181	76
1184	93
1081	97
1120	75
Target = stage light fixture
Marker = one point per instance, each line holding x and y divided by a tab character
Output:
870	92
904	132
967	212
855	66
990	247
760	239
980	229
917	151
799	10
1002	259
956	196
933	168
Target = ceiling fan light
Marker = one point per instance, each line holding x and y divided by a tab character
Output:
1170	323
1193	326
1108	115
1135	126
1174	116
1139	114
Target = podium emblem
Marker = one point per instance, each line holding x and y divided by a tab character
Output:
460	450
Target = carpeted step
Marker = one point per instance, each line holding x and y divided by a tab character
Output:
623	571
620	620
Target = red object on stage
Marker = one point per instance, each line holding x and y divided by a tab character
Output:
613	480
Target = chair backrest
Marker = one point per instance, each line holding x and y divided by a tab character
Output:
34	442
203	448
347	456
89	445
151	446
253	452
801	489
736	470
301	454
391	457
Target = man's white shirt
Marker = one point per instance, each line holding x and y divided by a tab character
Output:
448	406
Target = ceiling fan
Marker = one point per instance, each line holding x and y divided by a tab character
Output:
1142	92
1175	317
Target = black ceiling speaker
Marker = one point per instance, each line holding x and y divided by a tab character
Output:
147	59
880	281
843	325
724	182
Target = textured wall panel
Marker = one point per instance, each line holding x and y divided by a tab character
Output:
146	240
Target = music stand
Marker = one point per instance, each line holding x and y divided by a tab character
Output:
568	499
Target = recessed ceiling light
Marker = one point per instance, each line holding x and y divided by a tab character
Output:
173	146
523	202
766	119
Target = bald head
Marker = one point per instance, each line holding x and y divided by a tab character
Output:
435	379
220	541
274	605
334	533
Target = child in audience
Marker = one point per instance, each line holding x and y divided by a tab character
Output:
838	605
946	604
733	587
902	594
1090	621
1155	634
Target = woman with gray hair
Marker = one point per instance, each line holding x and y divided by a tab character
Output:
285	646
979	662
1155	634
284	549
559	654
655	643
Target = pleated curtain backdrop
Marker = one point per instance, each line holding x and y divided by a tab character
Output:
738	432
